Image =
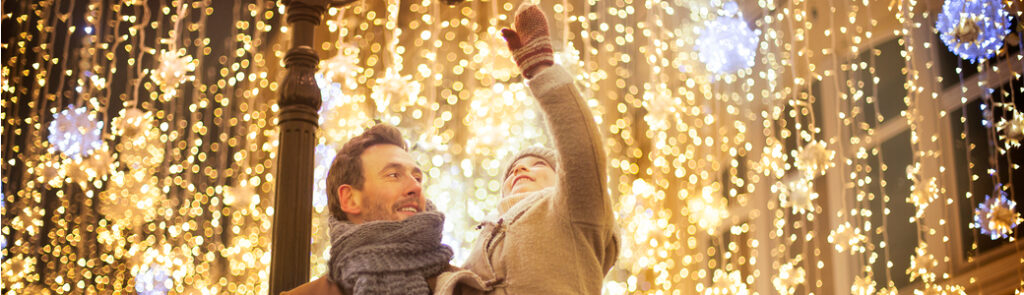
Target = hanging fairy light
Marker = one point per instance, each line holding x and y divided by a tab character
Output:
997	217
727	44
75	132
175	63
973	29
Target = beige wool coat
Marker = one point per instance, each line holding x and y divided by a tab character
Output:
559	240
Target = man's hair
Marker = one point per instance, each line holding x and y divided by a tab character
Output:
347	168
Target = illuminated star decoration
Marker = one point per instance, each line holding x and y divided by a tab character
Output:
708	210
395	92
640	226
47	169
662	107
845	237
727	283
922	192
16	269
797	195
129	199
152	280
814	159
570	59
937	289
174	68
862	285
996	217
341	115
973	29
140	145
399	103
1011	131
241	195
727	44
921	264
493	58
94	166
132	123
343	67
75	132
790	276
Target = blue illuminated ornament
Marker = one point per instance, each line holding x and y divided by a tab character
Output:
153	280
973	29
75	132
997	216
727	44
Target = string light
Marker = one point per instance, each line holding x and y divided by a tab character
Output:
720	182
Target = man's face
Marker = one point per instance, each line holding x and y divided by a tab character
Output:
528	174
392	187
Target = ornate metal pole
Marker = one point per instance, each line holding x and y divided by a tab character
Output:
293	199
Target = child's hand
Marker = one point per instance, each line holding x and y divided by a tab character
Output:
530	42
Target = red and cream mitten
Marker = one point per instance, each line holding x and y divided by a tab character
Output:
530	42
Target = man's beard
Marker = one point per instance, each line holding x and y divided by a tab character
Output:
378	211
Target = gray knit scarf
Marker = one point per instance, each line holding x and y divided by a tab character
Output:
388	257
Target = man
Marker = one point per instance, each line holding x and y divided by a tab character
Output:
385	236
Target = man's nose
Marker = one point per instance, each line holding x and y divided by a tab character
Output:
414	188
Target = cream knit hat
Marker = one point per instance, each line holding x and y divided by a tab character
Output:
547	154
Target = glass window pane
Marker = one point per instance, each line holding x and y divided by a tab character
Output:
902	236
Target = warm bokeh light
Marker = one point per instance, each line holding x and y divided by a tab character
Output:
748	142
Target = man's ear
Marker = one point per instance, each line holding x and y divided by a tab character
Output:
350	200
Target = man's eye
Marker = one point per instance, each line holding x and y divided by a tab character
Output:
394	175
